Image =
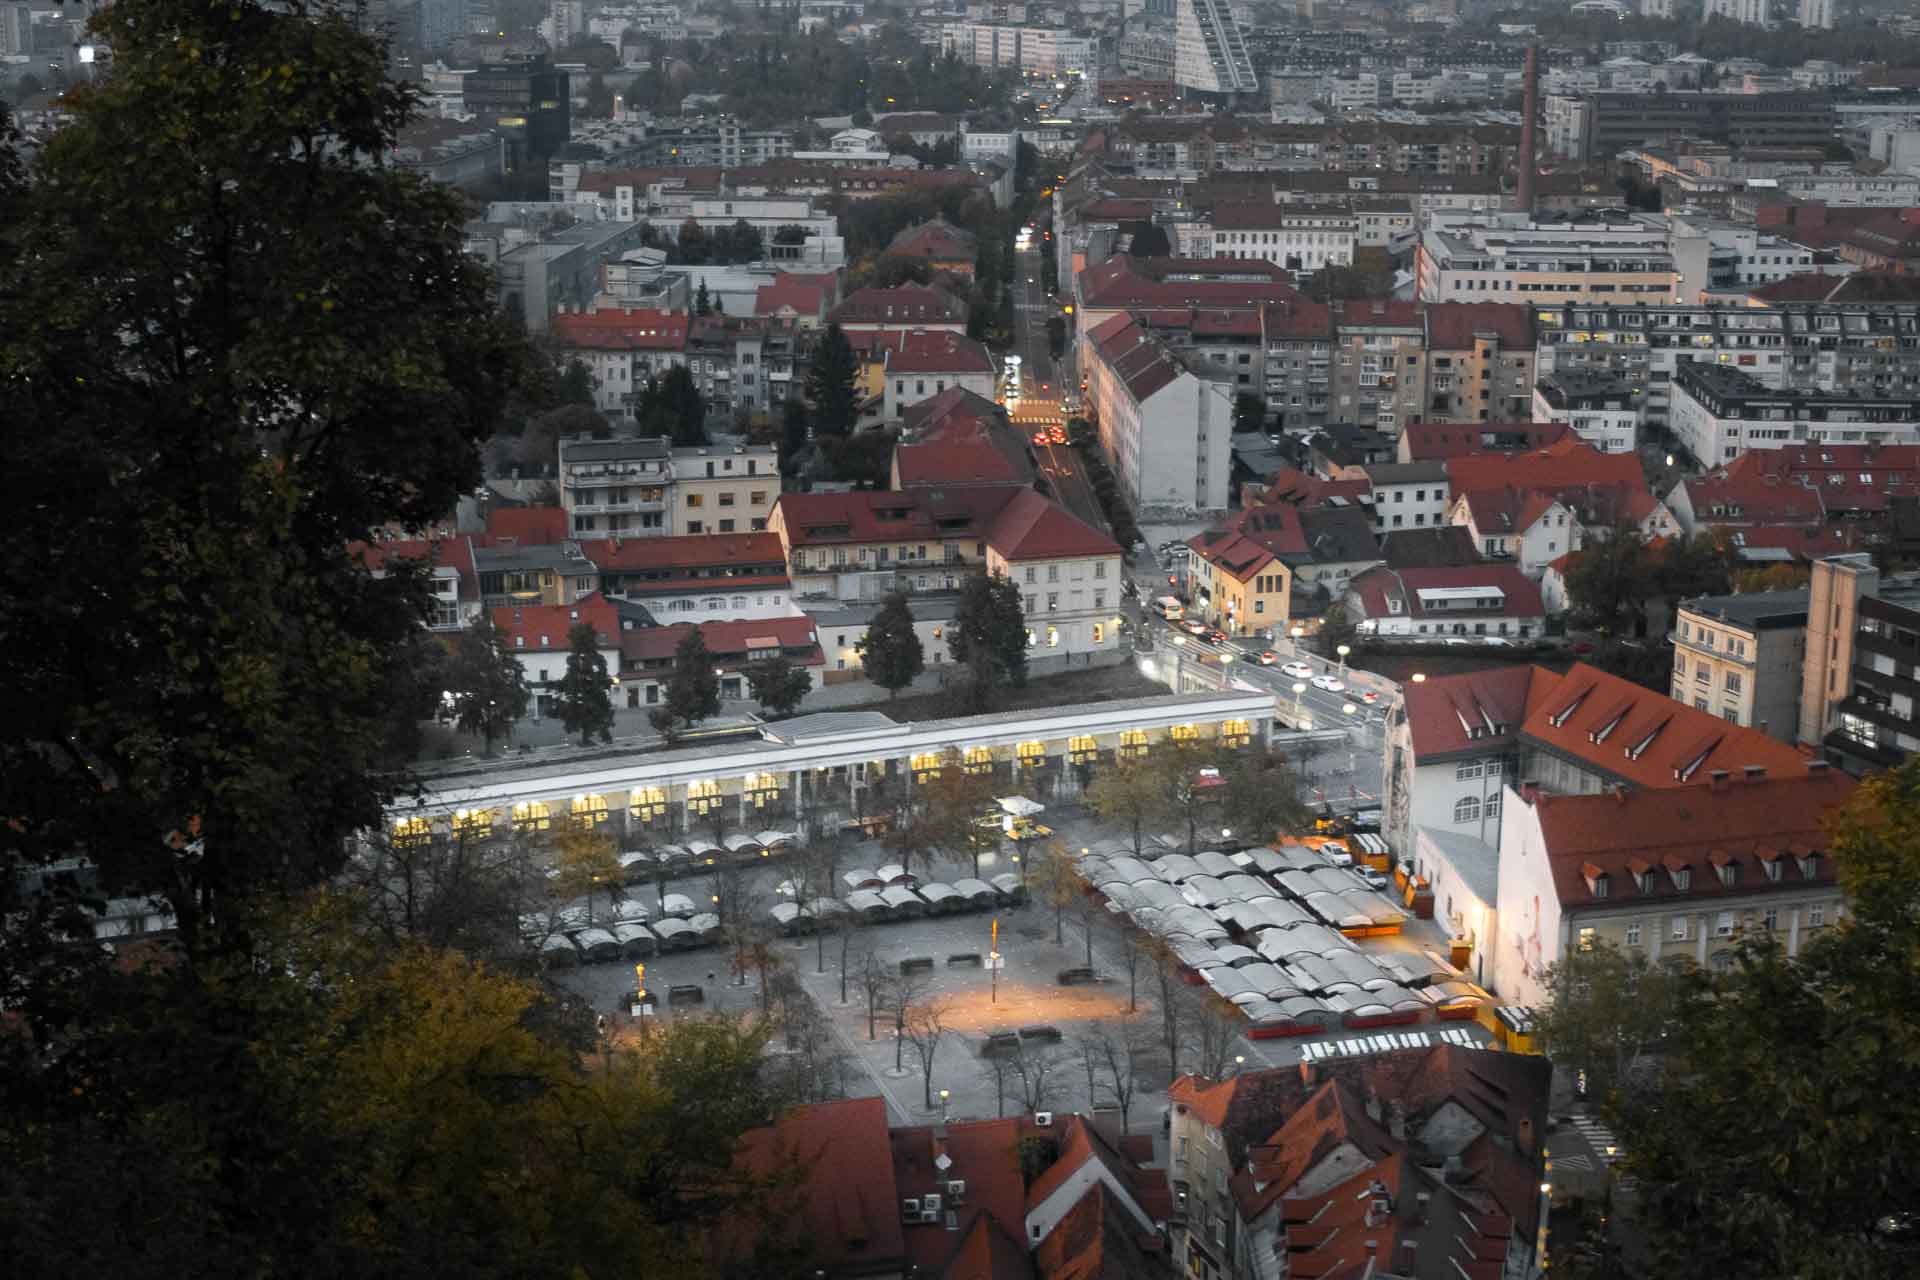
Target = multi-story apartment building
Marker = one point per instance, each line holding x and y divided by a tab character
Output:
1301	238
1450	750
1838	347
540	636
1033	51
701	578
748	365
1208	145
1858	686
1209	50
1240	584
1299	364
1166	428
638	487
1602	407
623	348
1408	495
1740	657
1479	362
1719	412
922	365
524	575
1512	258
1379	356
1666	873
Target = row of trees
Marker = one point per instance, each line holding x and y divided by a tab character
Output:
1765	1109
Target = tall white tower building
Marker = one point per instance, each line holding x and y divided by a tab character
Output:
1817	13
1209	53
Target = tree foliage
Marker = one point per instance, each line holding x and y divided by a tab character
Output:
488	685
830	384
988	637
227	303
779	685
693	687
585	693
1772	1137
1606	1010
941	813
890	652
1610	582
671	406
1128	792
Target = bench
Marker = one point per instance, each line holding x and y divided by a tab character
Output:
965	960
916	964
687	995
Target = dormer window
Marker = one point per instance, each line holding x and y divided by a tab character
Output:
1598	882
1809	865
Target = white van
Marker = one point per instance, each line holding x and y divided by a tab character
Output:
1170	608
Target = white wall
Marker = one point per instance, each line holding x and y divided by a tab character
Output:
904	390
1409	506
1528	908
1080	602
1456	907
1554	534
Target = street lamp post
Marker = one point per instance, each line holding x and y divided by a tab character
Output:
1299	687
1353	741
1343	651
944	1095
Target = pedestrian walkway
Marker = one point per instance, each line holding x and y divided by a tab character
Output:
1599	1137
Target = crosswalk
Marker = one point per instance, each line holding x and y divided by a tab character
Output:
1598	1136
1389	1042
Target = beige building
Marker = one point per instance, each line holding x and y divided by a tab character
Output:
1508	257
639	487
1740	657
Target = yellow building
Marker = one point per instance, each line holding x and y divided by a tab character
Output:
1239	586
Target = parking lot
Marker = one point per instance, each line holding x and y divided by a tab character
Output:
974	1002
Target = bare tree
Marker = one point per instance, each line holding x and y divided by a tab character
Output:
1122	1053
846	926
1036	1068
1164	968
924	1026
816	1069
815	868
901	993
1056	882
1000	1069
874	979
1129	946
1216	1032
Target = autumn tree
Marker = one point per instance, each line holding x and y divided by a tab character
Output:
1612	579
890	651
1606	1008
942	817
1130	793
585	861
1262	797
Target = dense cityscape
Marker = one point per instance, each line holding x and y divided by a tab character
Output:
975	641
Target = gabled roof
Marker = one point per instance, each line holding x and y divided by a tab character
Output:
545	628
953	416
729	642
984	1154
1748	495
1273	526
1741	822
1030	527
938	241
526	527
1139	360
624	329
827	519
847	1201
1431	548
1379	588
939	351
1848	477
1568	463
680	556
906	305
1642	738
1097	1240
956	463
1474	713
1425	440
1124	282
1239	558
805	295
987	1251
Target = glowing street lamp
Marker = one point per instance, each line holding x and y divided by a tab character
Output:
1299	687
1343	651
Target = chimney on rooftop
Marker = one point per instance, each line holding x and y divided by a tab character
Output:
1523	193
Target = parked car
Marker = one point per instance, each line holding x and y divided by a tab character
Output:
1297	669
1371	878
1194	627
1336	854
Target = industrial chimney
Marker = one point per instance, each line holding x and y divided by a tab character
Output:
1523	193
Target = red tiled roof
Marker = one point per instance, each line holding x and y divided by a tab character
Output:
1304	489
1643	738
938	351
526	526
826	519
1031	527
848	1199
807	295
621	330
1141	361
1747	495
1437	441
544	628
1445	712
1805	542
1333	1116
690	552
1300	318
955	463
907	305
1568	463
984	1154
1378	313
1129	283
729	642
1378	587
987	1251
938	241
1273	525
954	416
1237	557
1741	822
1454	326
687	177
1098	1240
1836	471
1114	209
454	552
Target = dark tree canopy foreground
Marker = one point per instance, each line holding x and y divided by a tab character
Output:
259	346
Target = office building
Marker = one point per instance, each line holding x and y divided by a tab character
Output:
1598	126
1509	257
529	103
1209	51
1857	699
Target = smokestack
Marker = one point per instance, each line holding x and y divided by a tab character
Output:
1523	194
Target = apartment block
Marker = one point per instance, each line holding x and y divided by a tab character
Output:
638	487
1739	656
1603	408
1512	258
1719	413
1858	688
1164	426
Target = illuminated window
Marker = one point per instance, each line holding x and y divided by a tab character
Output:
530	816
925	766
1053	637
589	810
473	824
1183	733
1082	750
1031	754
763	789
412	831
979	760
1099	632
648	804
1235	733
703	797
1133	744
